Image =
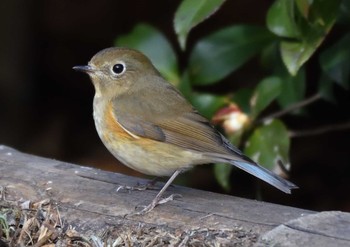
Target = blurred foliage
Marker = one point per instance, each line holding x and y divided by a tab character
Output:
294	32
190	13
219	54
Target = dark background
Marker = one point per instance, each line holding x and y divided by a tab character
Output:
46	107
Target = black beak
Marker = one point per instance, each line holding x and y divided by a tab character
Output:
84	68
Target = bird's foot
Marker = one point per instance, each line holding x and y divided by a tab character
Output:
156	201
140	187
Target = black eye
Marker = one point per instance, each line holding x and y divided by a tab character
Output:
118	68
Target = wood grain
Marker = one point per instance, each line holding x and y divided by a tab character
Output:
88	200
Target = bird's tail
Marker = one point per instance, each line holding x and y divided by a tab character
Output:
265	175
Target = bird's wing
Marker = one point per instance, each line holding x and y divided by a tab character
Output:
163	114
167	117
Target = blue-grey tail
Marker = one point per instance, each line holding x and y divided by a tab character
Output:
265	175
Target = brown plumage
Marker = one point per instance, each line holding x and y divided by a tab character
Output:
149	126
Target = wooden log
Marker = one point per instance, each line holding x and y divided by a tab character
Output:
321	229
87	199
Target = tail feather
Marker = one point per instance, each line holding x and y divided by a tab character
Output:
265	175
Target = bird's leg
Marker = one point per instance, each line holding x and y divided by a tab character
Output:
158	200
145	186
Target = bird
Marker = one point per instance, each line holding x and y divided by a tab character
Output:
149	126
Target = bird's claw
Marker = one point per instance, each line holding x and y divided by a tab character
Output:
139	187
169	198
154	203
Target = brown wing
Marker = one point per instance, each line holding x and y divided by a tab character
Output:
164	115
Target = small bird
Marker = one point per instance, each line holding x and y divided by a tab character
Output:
147	124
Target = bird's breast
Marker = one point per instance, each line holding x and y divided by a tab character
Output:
142	154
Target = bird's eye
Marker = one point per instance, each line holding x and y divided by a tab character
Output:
118	68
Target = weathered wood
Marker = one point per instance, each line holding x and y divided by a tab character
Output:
331	229
88	200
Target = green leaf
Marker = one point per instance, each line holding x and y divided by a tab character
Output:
153	44
266	91
185	85
321	17
224	51
280	19
335	62
270	57
236	137
190	13
325	89
242	98
324	13
303	7
292	88
207	104
222	174
268	144
295	54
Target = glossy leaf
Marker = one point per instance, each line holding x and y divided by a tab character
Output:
323	13
295	54
207	104
335	62
266	91
280	19
268	144
242	98
153	44
305	23
236	138
270	57
190	13
303	7
313	29
224	51
292	88
185	85
325	89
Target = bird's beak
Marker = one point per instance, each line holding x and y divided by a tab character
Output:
84	68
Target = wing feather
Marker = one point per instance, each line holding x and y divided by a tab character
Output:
164	115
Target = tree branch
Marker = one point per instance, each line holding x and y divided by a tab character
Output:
293	107
321	130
